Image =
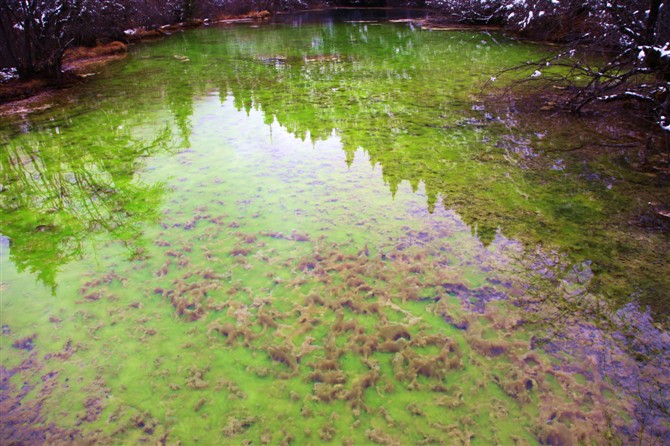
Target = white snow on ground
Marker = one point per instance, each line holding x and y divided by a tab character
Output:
7	74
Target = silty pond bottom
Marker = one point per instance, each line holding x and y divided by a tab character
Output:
316	232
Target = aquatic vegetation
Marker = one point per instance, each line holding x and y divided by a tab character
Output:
333	345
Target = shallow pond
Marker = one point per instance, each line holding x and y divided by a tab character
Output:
318	231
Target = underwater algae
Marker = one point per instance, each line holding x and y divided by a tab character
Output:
388	366
233	256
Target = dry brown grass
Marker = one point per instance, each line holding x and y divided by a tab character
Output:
76	54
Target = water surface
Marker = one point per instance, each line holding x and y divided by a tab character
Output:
304	232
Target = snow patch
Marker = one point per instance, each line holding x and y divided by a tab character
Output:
664	123
7	74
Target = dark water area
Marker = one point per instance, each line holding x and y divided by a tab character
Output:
322	230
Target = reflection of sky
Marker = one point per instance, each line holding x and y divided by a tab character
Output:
289	182
4	245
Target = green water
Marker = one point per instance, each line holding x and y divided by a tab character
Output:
306	234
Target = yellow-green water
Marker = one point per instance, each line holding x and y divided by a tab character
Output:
300	235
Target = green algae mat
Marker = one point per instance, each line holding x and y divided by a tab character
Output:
317	232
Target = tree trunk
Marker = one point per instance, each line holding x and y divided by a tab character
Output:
6	39
652	20
26	67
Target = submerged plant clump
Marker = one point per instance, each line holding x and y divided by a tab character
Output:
355	346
